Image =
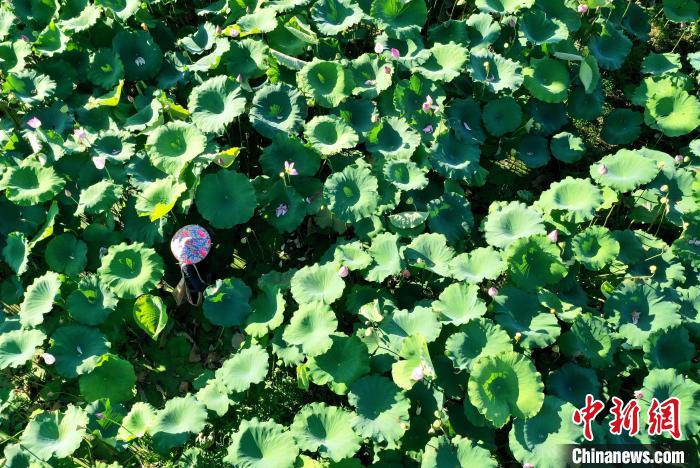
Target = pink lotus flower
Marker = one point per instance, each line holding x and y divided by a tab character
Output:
218	30
528	465
378	48
48	358
99	162
418	373
428	129
678	158
234	32
493	292
582	8
239	78
343	272
553	236
79	133
638	394
281	210
387	69
395	53
602	169
289	168
34	123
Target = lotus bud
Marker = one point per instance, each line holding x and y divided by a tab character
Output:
553	236
437	423
686	159
493	292
405	273
387	69
638	394
664	188
663	199
428	129
602	169
48	358
99	415
239	78
583	8
99	162
678	158
431	430
528	465
517	336
218	30
395	52
417	373
66	192
282	175
652	269
34	123
378	48
343	272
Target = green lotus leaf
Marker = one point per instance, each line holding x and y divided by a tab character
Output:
533	150
55	433
400	19
585	106
503	6
541	28
159	198
215	397
92	302
330	134
477	265
456	160
567	147
285	208
595	247
439	451
571	200
673	111
387	259
451	216
669	349
410	46
405	174
113	378
496	72
201	40
476	339
621	127
171	426
445	62
311	327
449	31
332	17
77	349
680	11
351	194
464	117
502	116
215	103
483	31
667	383
430	252
267	312
225	199
172	146
534	261
137	422
572	383
123	9
369	76
413	356
29	86
226	302
18	346
590	337
519	312
13	56
637	310
247	58
78	15
660	64
317	283
99	198
459	304
625	170
66	254
341	365
16	252
130	270
507	222
327	83
328	430
611	47
381	408
140	54
39	299
260	444
547	79
31	184
106	69
537	440
401	324
393	138
114	146
277	108
505	385
261	21
247	367
52	40
291	149
352	256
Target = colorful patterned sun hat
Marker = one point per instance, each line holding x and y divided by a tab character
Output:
190	244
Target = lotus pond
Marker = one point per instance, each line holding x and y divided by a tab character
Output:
435	228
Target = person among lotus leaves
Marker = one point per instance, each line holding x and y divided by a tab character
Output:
190	245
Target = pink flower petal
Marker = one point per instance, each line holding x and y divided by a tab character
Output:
34	123
99	161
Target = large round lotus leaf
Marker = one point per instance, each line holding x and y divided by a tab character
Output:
669	349
13	55
464	117
399	19
381	407
393	138
430	251
387	259
585	106
277	108
445	62
247	367
567	148
328	83
548	117
625	170
285	208
92	302
31	184
496	72
502	116
456	160
216	103
659	64
637	310
341	365
351	194
402	323
410	47
18	346
352	256
327	430
621	127
667	383
329	134
572	383
405	174
483	30
137	422
317	283
370	76
459	304
451	216
99	198
507	222
130	270
261	444
505	385
575	200
335	16
38	299
267	312
172	425
66	254
106	68
478	338
590	337
541	28
114	146
140	54
533	150
16	252
538	440
673	111
247	58
172	146
547	79
534	261
439	452
225	199
503	6
29	86
293	150
477	265
226	302
595	247
77	349
449	31
112	378
159	197
681	11
520	313
55	434
311	327
611	47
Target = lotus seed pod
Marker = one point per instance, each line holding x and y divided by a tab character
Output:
686	159
678	158
652	269
437	423
664	188
368	332
517	337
